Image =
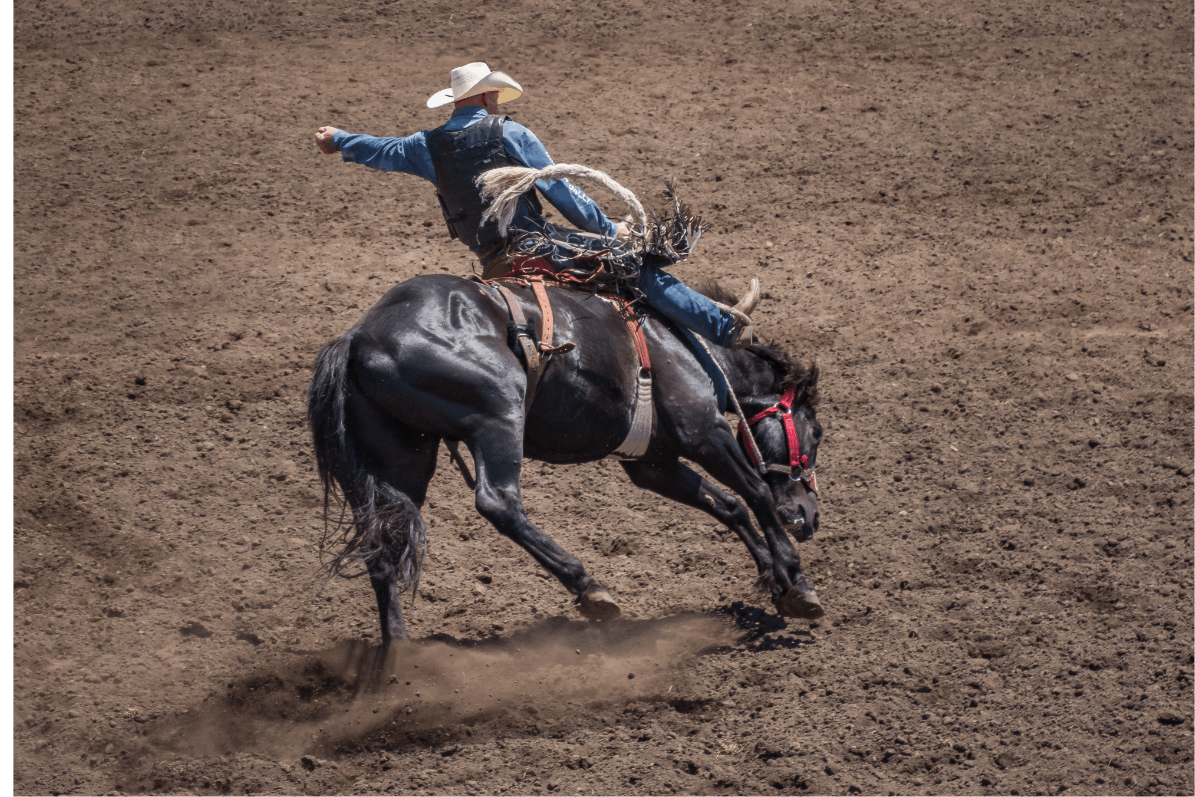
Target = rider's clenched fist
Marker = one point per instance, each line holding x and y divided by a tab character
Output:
323	140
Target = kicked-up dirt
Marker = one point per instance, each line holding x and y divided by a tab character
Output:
976	217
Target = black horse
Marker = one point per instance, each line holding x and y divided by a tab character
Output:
431	361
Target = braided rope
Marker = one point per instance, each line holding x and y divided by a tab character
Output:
507	183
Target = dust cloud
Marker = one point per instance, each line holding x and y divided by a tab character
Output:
357	694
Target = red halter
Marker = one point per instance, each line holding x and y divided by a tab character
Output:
796	460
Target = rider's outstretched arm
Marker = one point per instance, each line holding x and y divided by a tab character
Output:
409	154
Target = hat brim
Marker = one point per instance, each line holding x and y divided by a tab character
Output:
500	82
439	98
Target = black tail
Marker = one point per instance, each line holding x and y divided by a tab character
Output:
386	533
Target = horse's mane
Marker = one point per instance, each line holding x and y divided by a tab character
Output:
792	372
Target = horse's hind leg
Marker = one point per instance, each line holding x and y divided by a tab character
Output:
385	589
390	532
672	479
498	455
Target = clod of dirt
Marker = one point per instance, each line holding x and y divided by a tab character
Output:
196	630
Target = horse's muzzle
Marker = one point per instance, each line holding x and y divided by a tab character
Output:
792	518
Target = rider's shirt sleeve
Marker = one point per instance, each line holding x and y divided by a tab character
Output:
573	203
409	155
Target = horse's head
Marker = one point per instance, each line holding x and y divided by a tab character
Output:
788	435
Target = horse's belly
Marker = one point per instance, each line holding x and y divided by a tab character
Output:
582	438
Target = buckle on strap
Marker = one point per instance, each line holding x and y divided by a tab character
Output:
522	333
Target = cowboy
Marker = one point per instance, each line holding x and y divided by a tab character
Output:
475	139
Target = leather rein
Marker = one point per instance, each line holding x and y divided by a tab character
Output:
795	469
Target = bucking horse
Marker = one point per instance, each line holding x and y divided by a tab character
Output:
433	362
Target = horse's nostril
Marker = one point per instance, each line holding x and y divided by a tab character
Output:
816	521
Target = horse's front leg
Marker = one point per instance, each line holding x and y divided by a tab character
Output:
672	479
498	456
792	593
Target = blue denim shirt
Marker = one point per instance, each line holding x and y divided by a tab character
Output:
411	155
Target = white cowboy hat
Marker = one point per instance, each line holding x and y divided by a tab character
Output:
473	79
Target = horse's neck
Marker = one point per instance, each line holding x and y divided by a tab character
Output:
750	377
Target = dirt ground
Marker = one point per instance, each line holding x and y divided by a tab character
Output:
976	217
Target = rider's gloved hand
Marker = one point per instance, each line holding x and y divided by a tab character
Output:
622	229
323	140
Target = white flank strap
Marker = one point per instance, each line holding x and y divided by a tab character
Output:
640	435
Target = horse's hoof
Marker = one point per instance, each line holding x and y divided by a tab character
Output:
801	605
597	604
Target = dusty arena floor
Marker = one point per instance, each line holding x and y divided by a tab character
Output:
976	217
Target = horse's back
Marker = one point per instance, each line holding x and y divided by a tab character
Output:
435	304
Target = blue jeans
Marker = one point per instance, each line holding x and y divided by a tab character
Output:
666	294
678	302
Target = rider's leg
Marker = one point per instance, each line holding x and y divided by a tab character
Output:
680	303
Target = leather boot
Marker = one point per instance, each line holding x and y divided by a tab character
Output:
744	336
747	304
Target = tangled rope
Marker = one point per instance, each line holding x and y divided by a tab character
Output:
507	183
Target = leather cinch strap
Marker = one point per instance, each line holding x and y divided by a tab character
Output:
530	353
534	351
547	324
545	308
640	343
628	315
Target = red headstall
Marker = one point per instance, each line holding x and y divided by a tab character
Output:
796	460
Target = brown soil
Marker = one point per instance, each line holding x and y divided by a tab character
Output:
977	217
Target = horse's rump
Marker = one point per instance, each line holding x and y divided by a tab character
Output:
383	530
